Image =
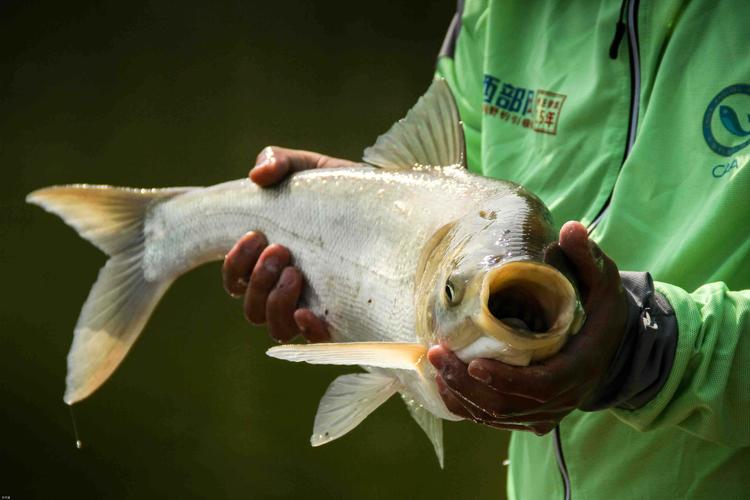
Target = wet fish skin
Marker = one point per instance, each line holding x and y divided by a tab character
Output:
405	251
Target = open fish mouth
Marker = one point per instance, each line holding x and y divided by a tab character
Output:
523	303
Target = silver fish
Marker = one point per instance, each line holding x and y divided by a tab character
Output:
403	252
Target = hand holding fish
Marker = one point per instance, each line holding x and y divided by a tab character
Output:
401	252
536	397
262	273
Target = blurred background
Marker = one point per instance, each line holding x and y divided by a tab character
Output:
155	94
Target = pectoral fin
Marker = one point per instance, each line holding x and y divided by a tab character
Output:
401	355
348	401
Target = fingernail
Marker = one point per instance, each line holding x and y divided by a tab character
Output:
266	158
480	374
271	264
263	163
436	360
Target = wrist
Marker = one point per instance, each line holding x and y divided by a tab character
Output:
644	358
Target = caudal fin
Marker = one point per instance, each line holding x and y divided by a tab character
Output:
122	299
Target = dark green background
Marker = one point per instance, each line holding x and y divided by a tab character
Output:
162	94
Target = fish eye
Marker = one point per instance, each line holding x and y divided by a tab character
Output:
450	293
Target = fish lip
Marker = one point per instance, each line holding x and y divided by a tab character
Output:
556	290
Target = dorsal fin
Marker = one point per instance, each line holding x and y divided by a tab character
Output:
430	135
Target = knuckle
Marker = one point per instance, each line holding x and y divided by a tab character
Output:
323	161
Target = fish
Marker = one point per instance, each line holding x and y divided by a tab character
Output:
731	121
402	252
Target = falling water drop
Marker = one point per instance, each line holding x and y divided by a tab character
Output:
79	444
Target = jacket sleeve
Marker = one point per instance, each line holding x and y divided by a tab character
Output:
707	390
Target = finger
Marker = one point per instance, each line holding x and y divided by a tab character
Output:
505	427
452	402
476	393
274	163
555	257
264	277
593	268
281	304
240	261
532	418
541	383
525	423
311	326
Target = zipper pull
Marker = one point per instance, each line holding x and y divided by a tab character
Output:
619	32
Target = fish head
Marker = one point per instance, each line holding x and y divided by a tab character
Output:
485	290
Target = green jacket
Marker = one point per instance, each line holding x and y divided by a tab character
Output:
651	150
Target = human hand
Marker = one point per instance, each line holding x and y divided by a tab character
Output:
536	397
263	274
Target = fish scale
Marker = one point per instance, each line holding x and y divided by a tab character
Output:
357	252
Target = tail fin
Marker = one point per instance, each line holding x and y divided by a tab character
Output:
121	300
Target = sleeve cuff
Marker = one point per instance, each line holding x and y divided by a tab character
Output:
686	314
644	359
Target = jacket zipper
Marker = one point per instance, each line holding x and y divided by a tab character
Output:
635	91
635	97
561	463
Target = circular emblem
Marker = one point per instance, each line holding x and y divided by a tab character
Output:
726	123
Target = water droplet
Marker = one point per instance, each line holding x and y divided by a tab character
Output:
79	443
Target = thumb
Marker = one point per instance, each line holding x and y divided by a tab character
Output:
584	254
274	163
